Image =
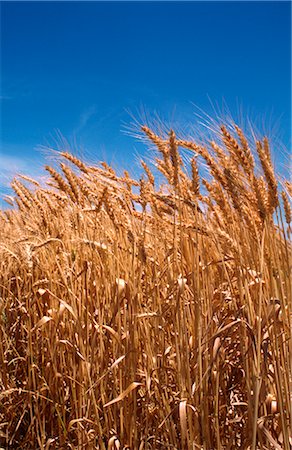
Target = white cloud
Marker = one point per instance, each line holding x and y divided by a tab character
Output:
11	166
84	119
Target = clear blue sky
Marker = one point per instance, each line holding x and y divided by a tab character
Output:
78	66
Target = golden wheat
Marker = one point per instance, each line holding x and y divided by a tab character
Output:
149	318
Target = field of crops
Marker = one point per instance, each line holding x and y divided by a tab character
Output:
149	313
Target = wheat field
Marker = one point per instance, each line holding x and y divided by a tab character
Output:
149	313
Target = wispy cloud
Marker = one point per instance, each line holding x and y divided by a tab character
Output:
5	97
11	166
84	119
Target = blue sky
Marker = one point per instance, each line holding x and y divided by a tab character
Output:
79	67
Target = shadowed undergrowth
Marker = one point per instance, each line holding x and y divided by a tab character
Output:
149	314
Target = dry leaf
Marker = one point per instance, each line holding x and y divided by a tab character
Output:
124	394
